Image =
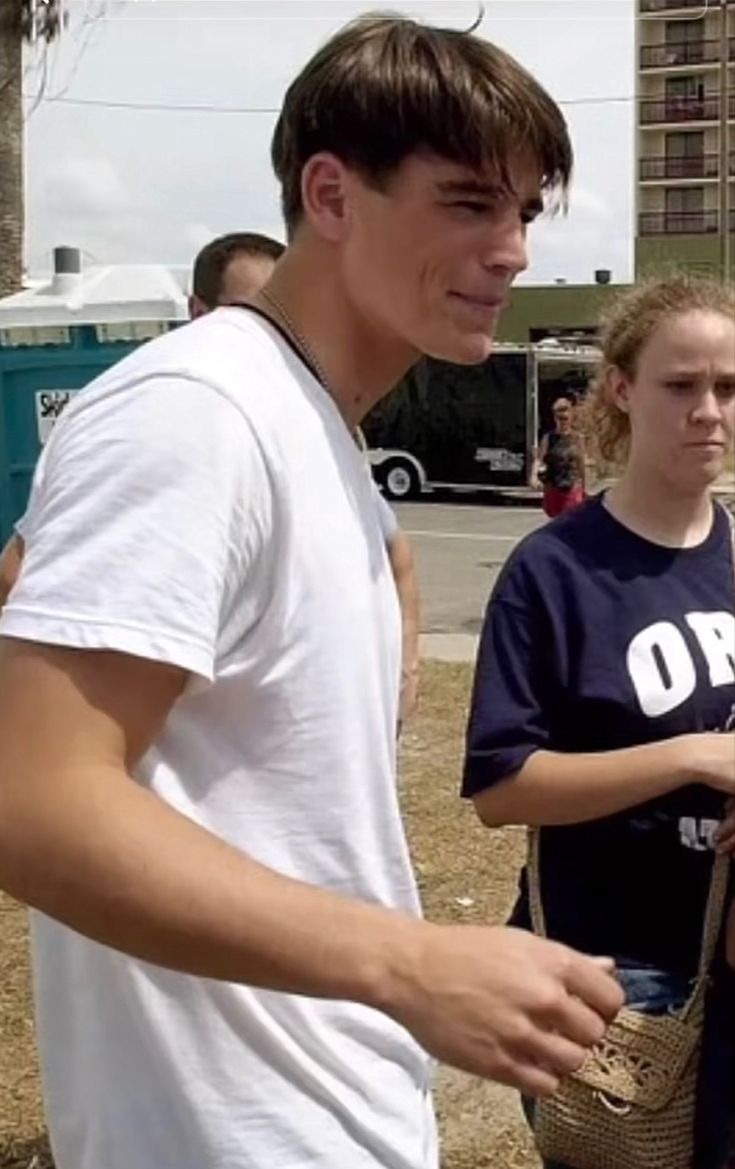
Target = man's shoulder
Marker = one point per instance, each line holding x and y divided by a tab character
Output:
212	348
221	355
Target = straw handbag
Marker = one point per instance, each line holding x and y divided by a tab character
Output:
632	1103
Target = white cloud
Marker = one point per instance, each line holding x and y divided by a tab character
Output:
133	185
85	186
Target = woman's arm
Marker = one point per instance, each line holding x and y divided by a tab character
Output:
556	788
538	461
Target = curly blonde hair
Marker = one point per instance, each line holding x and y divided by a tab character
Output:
625	328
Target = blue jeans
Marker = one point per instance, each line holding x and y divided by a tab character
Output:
655	991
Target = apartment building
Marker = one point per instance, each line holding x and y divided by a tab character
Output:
685	131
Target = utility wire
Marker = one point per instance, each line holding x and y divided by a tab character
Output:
212	109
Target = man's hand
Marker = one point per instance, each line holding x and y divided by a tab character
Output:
509	1006
409	691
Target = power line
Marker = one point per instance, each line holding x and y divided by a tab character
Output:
166	107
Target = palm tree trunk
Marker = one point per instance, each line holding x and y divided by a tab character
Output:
11	148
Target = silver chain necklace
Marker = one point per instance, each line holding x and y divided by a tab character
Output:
298	338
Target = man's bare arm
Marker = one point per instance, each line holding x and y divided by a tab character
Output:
404	574
10	562
83	842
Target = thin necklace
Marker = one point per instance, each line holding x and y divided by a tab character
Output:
297	336
309	357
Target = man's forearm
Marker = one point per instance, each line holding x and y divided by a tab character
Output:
10	561
404	575
135	875
555	788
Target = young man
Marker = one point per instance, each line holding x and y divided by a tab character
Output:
231	969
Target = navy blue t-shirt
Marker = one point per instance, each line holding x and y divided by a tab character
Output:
597	639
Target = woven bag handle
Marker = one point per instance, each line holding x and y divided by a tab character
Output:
713	916
715	910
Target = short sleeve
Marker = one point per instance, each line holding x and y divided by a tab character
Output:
511	698
150	513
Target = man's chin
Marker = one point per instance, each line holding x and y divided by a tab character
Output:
467	349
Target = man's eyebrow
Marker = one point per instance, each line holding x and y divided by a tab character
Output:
471	187
532	206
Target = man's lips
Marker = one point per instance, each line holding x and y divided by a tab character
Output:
484	301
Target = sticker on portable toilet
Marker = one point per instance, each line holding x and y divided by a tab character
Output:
49	406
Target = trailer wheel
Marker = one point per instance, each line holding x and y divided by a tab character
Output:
399	479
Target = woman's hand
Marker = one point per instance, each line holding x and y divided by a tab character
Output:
709	757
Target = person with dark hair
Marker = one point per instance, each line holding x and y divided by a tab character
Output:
232	267
231	968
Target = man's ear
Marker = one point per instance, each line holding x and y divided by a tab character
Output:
197	307
325	185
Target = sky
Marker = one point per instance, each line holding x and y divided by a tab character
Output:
113	170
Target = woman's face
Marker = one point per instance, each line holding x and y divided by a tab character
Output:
681	400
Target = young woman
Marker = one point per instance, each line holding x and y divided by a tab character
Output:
559	462
604	701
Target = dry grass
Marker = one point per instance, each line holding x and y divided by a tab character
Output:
465	872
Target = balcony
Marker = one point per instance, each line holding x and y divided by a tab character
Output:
696	166
671	5
681	222
668	56
682	109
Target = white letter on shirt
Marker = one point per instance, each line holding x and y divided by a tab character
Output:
661	668
715	633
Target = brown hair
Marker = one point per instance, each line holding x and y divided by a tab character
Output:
625	328
386	87
211	263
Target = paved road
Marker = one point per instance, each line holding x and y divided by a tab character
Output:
459	549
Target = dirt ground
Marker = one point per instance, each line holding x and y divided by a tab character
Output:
466	873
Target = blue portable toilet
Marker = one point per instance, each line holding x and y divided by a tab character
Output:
58	335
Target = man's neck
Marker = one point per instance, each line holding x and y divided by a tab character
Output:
361	364
657	511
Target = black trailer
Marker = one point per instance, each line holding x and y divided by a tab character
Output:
472	427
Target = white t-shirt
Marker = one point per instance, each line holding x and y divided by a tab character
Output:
202	503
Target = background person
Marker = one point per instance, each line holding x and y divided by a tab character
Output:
559	464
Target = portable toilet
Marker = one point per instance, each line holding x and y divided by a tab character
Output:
55	337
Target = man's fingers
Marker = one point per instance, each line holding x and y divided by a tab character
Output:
533	1081
607	964
596	987
554	1053
579	1023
